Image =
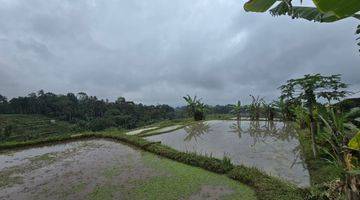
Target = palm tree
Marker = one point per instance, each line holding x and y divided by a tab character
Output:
195	107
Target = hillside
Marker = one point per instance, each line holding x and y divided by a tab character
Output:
16	127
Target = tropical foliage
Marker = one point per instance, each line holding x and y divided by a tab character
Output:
88	112
236	109
343	152
255	107
310	88
195	107
325	11
269	109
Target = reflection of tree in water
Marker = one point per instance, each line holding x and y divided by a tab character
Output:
236	128
269	129
256	132
196	130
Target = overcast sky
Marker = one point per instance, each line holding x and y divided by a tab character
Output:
158	51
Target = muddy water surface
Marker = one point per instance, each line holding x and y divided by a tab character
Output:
272	147
103	169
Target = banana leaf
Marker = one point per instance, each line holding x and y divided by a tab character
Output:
258	5
341	8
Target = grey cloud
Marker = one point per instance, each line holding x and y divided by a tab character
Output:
158	51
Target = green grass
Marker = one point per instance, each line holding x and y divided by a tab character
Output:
103	193
180	181
320	170
266	187
16	127
172	181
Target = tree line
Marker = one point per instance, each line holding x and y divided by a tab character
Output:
88	112
92	113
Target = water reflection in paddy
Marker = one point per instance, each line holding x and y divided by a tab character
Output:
270	146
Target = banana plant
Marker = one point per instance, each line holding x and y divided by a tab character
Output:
343	153
236	108
195	107
255	107
325	11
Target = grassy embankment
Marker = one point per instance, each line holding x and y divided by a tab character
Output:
321	171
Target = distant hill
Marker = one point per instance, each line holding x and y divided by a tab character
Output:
16	127
347	104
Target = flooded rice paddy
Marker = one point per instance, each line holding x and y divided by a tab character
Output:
135	132
103	169
165	129
269	146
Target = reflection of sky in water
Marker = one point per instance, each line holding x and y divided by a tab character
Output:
18	157
272	147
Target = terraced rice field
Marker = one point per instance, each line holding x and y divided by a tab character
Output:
269	146
103	169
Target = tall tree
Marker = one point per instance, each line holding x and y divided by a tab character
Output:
308	89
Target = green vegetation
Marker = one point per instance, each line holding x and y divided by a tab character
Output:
87	112
326	11
327	135
189	180
333	165
265	186
255	107
307	90
16	127
320	170
195	107
237	110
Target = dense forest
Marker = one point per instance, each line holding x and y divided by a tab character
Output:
91	113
